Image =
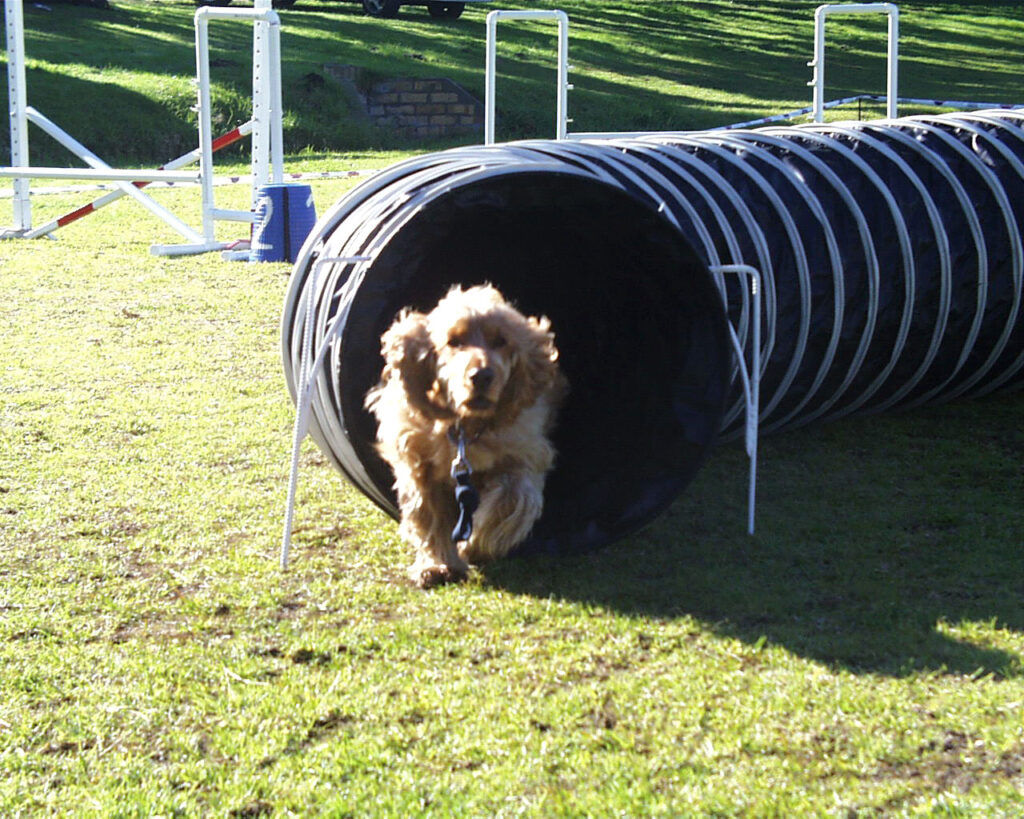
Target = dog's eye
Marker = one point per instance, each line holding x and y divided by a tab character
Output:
498	342
456	341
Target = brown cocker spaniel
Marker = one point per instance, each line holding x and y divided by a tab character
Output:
471	387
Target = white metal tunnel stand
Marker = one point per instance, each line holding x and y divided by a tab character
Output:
305	380
750	377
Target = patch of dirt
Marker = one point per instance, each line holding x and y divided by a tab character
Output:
606	715
956	762
114	526
325	725
313	539
67	747
252	810
321	727
266	651
33	634
306	656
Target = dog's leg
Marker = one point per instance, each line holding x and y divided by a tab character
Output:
509	506
428	516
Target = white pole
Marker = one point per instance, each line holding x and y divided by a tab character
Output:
818	65
260	102
276	105
490	67
893	59
562	114
205	119
18	101
490	70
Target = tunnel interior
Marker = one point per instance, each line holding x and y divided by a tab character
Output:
639	324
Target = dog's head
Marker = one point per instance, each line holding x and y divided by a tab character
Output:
473	356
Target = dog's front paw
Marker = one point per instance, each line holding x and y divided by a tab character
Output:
427	577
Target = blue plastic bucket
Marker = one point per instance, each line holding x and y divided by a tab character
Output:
285	215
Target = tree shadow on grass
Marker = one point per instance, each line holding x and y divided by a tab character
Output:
877	539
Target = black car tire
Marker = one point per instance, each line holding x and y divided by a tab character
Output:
381	8
447	11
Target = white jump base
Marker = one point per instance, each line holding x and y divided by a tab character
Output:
94	174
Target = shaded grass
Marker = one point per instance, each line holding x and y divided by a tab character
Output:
888	590
861	654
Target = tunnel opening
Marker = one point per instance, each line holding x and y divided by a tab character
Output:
639	323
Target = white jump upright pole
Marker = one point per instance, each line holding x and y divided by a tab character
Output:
17	105
892	59
266	92
491	61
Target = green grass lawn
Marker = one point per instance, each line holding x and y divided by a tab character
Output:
862	654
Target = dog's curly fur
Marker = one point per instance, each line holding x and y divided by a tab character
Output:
473	363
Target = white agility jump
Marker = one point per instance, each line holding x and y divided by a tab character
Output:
821	14
186	159
563	87
265	129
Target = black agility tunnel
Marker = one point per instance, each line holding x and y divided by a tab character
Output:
890	252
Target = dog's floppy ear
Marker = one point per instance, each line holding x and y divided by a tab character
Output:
409	356
541	359
535	370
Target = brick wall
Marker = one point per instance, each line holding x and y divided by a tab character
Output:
416	108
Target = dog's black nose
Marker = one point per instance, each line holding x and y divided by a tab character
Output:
481	377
